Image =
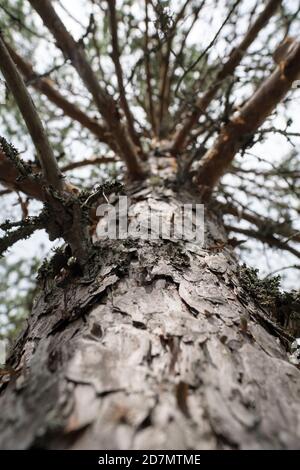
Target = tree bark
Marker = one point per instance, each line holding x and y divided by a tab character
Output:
150	351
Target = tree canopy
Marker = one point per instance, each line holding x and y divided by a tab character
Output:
92	91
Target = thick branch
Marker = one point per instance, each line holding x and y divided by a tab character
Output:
35	127
228	69
44	86
10	177
104	102
241	128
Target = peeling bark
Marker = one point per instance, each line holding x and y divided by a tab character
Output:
149	350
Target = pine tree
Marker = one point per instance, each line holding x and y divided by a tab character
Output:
151	341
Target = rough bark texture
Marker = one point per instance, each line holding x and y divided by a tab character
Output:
149	350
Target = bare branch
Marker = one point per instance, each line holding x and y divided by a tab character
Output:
264	224
193	65
35	127
4	192
10	177
119	72
45	86
228	69
180	53
88	161
164	74
15	17
242	126
270	240
272	273
104	102
148	71
20	231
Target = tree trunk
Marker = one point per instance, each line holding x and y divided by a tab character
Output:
158	347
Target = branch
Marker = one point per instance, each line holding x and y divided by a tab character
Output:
148	71
34	125
105	103
180	54
228	69
292	266
24	230
44	86
242	126
119	72
164	73
264	224
15	17
268	239
11	177
4	192
88	161
203	54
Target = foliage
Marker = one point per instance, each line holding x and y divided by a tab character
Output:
17	290
283	306
265	291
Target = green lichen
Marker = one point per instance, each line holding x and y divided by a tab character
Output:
21	230
24	168
282	306
51	267
265	291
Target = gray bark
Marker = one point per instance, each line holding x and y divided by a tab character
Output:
149	352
